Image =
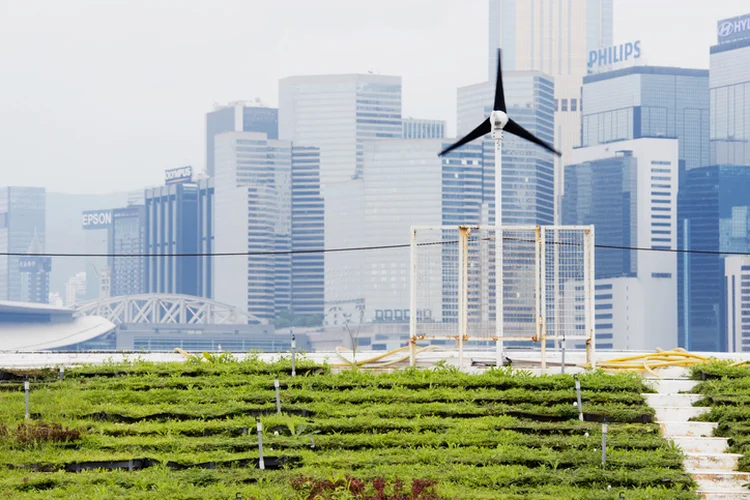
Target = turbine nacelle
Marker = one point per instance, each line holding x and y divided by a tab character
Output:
498	120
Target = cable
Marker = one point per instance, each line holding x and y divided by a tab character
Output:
358	249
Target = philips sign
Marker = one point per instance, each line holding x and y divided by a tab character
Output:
175	175
735	28
608	56
98	219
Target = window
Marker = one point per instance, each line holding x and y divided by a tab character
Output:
603	296
574	104
557	105
661	275
661	163
603	287
564	105
602	306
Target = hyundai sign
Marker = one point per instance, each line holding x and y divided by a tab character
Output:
607	56
97	219
176	175
734	28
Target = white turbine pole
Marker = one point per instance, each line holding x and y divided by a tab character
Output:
497	136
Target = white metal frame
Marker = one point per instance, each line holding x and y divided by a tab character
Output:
540	298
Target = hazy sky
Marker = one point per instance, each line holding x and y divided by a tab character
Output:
103	95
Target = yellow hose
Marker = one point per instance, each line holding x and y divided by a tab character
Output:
364	362
650	362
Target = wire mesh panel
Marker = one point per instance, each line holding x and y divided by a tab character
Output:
546	275
434	287
567	287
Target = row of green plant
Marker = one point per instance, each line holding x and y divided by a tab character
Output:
468	436
196	484
725	388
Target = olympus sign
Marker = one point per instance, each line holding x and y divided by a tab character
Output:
176	175
734	29
98	219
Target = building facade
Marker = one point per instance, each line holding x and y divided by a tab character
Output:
649	101
264	218
22	218
416	128
339	114
239	116
179	221
128	237
628	191
553	37
714	215
730	101
737	283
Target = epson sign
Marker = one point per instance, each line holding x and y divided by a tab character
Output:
175	175
99	219
734	29
608	56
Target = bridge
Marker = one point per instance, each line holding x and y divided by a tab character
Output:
164	309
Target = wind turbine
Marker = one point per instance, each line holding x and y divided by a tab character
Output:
495	124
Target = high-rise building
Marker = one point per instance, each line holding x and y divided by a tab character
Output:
339	114
179	220
308	240
628	191
730	99
260	211
406	183
417	128
35	269
649	101
714	209
127	274
22	217
528	170
737	283
553	37
66	232
239	116
75	289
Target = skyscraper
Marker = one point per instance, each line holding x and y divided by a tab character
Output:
528	170
259	210
730	100
737	279
628	191
127	274
714	206
406	184
179	220
241	117
649	101
553	37
35	271
22	216
339	114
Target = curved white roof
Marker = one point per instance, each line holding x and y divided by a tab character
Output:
60	330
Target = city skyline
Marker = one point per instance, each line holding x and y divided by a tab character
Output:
100	112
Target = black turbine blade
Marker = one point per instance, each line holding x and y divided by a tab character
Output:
499	94
514	128
482	129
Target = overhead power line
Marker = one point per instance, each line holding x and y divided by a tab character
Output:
357	249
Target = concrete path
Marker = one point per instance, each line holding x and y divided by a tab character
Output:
706	460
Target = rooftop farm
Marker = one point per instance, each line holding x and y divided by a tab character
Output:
725	388
190	431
